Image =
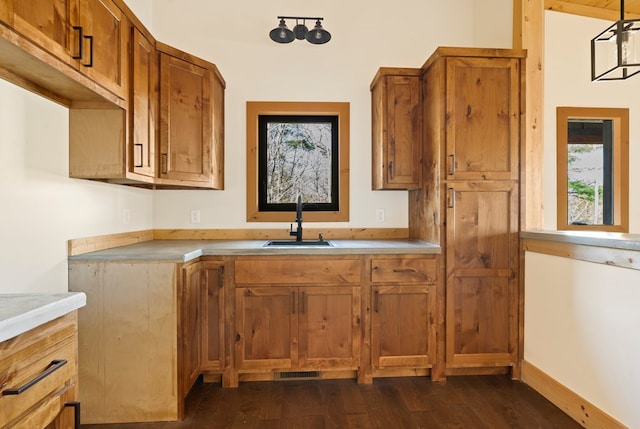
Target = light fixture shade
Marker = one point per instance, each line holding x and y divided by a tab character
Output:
300	31
318	35
615	53
281	33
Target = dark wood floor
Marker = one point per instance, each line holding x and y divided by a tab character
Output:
469	402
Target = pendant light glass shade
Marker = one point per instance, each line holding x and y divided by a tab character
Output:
281	33
318	35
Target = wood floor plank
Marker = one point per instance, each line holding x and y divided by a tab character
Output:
464	402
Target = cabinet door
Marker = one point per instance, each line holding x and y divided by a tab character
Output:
48	23
397	133
105	31
329	327
143	102
212	316
191	321
482	258
267	328
482	118
185	121
400	326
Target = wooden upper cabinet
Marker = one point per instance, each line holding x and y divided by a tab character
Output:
105	34
482	118
189	133
89	35
48	23
396	129
143	105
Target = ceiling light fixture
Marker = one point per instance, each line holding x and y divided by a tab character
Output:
317	35
615	53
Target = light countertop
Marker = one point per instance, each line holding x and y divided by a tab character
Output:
20	313
587	238
186	250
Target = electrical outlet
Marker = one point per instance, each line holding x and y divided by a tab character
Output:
126	216
380	215
195	216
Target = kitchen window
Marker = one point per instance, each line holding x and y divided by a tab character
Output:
593	169
297	148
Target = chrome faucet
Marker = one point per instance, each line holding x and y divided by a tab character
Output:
298	232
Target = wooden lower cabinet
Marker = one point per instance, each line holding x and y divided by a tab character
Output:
298	328
151	328
297	314
482	281
212	300
47	355
131	356
403	295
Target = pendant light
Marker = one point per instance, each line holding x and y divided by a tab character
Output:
615	53
317	35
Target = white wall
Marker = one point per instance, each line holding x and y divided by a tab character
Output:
41	208
234	36
568	83
581	328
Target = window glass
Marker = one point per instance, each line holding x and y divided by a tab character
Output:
592	168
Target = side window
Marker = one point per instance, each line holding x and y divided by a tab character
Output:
593	168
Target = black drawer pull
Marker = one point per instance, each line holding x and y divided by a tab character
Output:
53	366
76	413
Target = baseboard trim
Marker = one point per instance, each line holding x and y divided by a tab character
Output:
579	409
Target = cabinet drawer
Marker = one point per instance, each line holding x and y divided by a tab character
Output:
35	369
403	270
297	270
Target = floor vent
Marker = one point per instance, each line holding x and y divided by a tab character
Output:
298	375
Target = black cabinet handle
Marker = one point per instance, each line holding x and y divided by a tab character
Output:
80	40
139	146
90	63
76	413
376	299
53	366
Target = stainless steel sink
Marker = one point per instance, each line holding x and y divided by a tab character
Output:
283	243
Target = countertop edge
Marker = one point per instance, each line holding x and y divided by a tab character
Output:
181	251
612	240
34	317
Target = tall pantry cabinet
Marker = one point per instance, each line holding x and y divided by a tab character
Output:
469	201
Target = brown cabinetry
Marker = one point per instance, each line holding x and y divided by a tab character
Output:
89	35
213	322
131	334
470	199
191	323
38	374
143	105
298	313
396	129
191	120
136	117
403	306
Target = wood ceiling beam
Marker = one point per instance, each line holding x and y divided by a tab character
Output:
577	8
